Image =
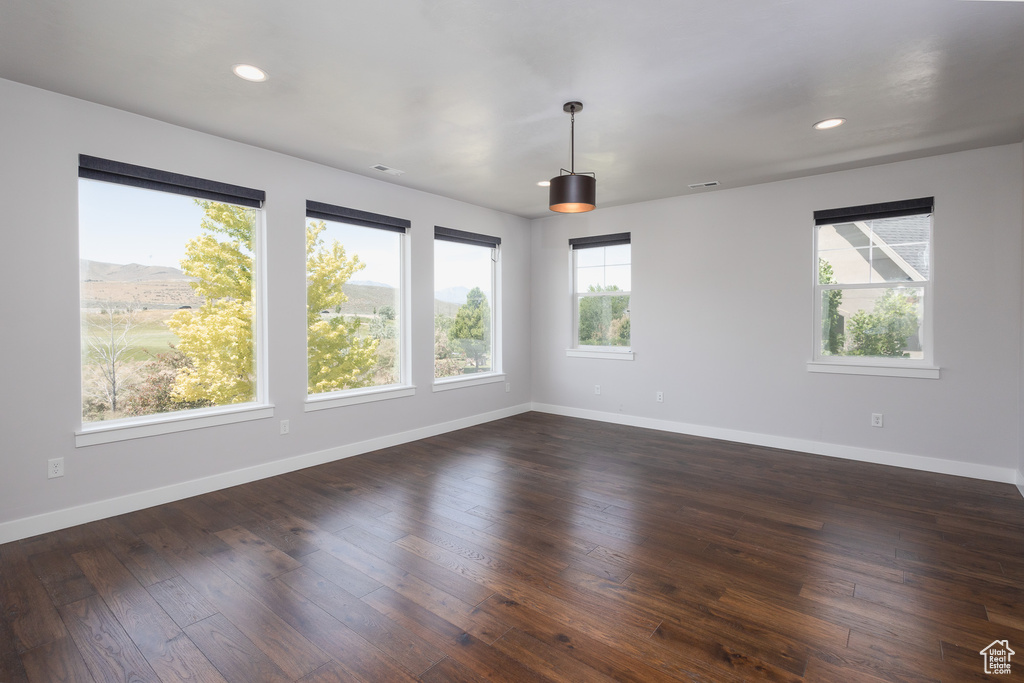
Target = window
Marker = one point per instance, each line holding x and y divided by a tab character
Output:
601	289
465	304
355	303
872	291
169	270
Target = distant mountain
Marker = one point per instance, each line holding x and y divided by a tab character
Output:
365	299
97	271
368	283
453	295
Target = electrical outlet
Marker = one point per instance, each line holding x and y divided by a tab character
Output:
597	389
876	420
508	387
285	427
660	397
54	468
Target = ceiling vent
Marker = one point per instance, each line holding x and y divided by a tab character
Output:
386	169
710	183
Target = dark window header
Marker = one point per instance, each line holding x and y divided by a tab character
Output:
450	235
330	212
95	168
868	212
599	241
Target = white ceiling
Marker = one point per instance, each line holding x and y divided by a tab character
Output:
466	96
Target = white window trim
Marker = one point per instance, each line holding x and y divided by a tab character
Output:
109	431
601	352
495	374
462	381
923	368
401	388
169	423
351	397
919	372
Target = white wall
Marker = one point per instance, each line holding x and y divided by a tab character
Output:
721	319
39	346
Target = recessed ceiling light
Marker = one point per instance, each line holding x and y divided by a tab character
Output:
828	123
544	183
250	72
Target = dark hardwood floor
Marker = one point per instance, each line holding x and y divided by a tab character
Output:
531	549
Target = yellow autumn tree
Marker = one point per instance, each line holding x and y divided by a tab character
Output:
338	358
218	336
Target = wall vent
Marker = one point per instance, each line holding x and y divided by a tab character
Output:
386	169
710	183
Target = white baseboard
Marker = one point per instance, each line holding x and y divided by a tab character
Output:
90	512
1006	475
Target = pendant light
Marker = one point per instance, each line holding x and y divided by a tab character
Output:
572	192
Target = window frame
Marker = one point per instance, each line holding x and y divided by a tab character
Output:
145	178
404	387
922	368
575	349
496	373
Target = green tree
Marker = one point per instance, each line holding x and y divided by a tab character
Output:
217	338
603	320
884	331
446	362
472	326
382	324
338	357
831	320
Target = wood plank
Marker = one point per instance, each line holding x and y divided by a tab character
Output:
183	603
234	655
12	669
409	650
288	649
107	650
546	660
27	607
173	656
59	660
62	578
137	557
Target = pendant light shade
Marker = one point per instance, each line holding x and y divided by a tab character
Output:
572	192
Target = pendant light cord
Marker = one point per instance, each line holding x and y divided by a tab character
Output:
572	140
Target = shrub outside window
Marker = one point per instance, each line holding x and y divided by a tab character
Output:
873	284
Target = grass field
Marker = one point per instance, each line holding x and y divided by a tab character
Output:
160	294
148	337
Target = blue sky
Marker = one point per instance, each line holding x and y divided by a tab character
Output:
122	224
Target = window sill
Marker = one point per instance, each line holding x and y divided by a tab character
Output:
605	353
449	383
919	372
155	425
356	396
